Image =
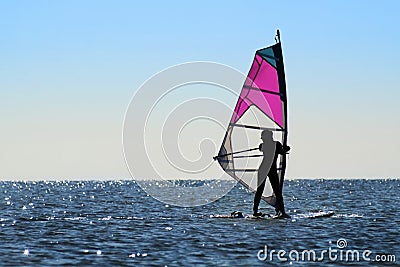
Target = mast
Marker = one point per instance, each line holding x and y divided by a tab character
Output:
282	85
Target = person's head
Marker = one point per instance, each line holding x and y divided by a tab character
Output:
266	135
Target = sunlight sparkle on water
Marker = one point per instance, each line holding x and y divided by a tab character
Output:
138	254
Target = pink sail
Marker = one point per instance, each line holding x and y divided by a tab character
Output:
261	89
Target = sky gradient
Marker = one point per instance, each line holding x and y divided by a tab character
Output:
68	70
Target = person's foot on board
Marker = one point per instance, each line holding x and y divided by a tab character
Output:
258	214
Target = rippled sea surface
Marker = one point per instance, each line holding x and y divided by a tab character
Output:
115	223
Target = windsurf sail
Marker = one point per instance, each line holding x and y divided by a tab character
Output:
262	105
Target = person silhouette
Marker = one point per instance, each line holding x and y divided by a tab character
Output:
271	149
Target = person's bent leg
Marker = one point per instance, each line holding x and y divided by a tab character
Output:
274	180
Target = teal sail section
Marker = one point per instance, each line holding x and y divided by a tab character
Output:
268	55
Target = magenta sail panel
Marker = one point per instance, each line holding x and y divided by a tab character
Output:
266	77
261	89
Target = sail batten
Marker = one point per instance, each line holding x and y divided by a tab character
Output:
260	89
257	127
262	105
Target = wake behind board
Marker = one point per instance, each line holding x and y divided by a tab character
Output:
314	215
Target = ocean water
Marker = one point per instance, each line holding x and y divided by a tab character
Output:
115	223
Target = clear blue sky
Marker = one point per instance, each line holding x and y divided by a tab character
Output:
69	68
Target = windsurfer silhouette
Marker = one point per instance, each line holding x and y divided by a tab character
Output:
268	168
